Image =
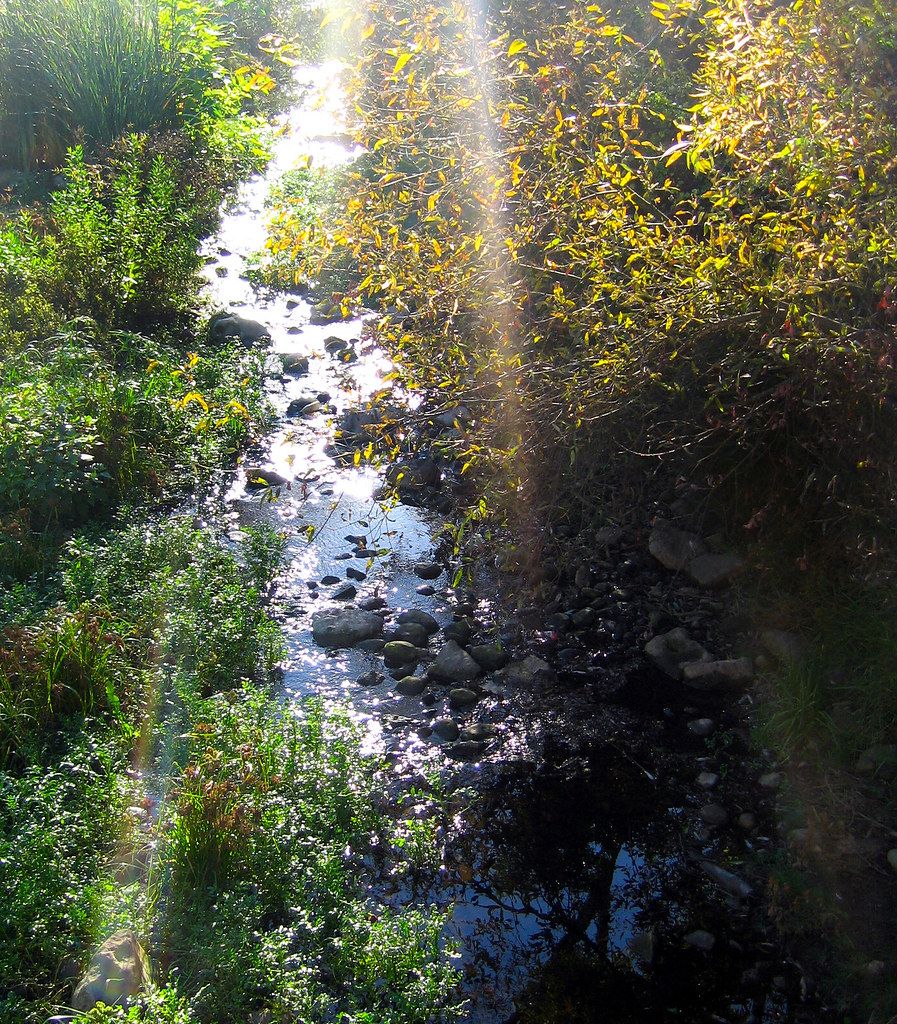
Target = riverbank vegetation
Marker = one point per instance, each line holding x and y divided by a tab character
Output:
149	779
652	249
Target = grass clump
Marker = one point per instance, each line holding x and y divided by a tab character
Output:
274	819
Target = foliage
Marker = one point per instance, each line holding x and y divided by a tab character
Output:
670	233
273	817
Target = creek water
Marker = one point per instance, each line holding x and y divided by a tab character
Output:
569	879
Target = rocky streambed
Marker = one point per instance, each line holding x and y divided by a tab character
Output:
608	828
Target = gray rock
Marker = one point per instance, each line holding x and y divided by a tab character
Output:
702	727
398	653
718	675
784	646
699	939
420	617
747	821
117	973
294	363
714	815
490	657
529	673
371	604
356	574
426	590
673	548
478	731
345	627
305	405
333	344
461	697
892	859
707	780
583	618
713	570
466	750
770	780
446	729
413	632
372	678
232	325
609	536
459	631
673	650
727	880
344	593
428	570
411	686
264	476
374	646
414	474
454	665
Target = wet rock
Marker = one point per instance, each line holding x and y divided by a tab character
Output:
446	729
305	405
609	536
478	731
490	657
333	345
466	750
726	880
264	476
356	574
414	474
426	590
400	653
712	570
329	581
718	675
461	697
714	815
294	363
413	632
673	650
583	618
232	325
427	570
420	618
356	423
699	939
673	548
702	727
459	631
411	686
117	973
528	673
770	780
345	627
454	665
784	646
707	780
747	821
371	604
344	593
371	678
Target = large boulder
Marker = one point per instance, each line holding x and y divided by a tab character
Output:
232	325
345	627
118	971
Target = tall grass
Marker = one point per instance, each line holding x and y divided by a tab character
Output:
70	68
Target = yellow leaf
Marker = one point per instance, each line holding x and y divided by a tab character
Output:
516	47
401	62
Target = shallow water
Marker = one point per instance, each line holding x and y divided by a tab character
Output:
564	876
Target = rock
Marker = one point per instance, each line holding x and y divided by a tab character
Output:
718	675
784	646
333	344
356	574
713	570
673	548
427	570
707	780
771	780
609	536
118	971
411	686
747	821
454	665
413	632
414	474
478	731
231	325
345	627
344	593
372	678
329	581
461	697
466	750
264	476
714	815
892	859
528	673
355	423
398	653
426	590
583	618
373	646
726	880
420	617
371	604
458	414
642	944
702	727
446	729
459	631
294	363
699	939
303	406
671	651
490	657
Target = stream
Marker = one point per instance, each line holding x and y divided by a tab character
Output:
580	885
